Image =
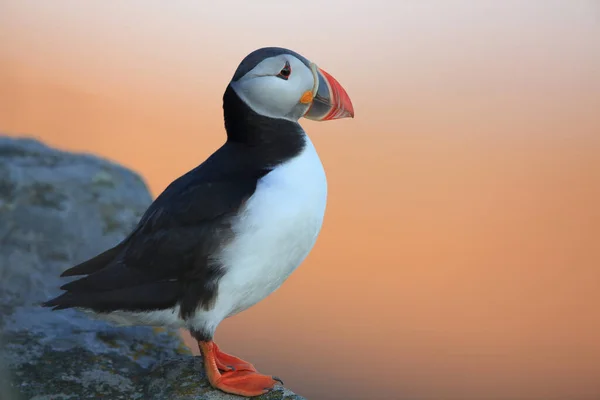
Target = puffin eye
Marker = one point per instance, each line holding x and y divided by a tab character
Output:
285	72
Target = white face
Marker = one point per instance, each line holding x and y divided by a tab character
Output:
269	94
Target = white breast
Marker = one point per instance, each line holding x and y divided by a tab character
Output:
273	234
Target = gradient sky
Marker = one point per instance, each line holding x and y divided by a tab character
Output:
459	257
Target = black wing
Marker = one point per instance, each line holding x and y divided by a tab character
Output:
167	259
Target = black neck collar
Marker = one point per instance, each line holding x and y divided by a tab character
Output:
274	138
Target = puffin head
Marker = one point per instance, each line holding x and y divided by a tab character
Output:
280	83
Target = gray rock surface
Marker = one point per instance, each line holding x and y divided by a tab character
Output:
57	209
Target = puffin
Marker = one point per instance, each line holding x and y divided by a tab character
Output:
229	232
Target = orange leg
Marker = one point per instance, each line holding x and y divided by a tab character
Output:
240	382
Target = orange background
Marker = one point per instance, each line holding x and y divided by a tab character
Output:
460	255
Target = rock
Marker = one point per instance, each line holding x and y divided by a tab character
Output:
57	209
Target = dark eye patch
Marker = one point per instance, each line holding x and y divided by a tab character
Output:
285	72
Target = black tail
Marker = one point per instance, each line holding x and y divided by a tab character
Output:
109	285
60	302
94	264
150	296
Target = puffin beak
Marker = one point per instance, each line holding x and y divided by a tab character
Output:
329	99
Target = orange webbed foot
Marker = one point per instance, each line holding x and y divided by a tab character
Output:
227	362
241	382
245	383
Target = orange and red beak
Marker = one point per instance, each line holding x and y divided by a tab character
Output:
330	100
